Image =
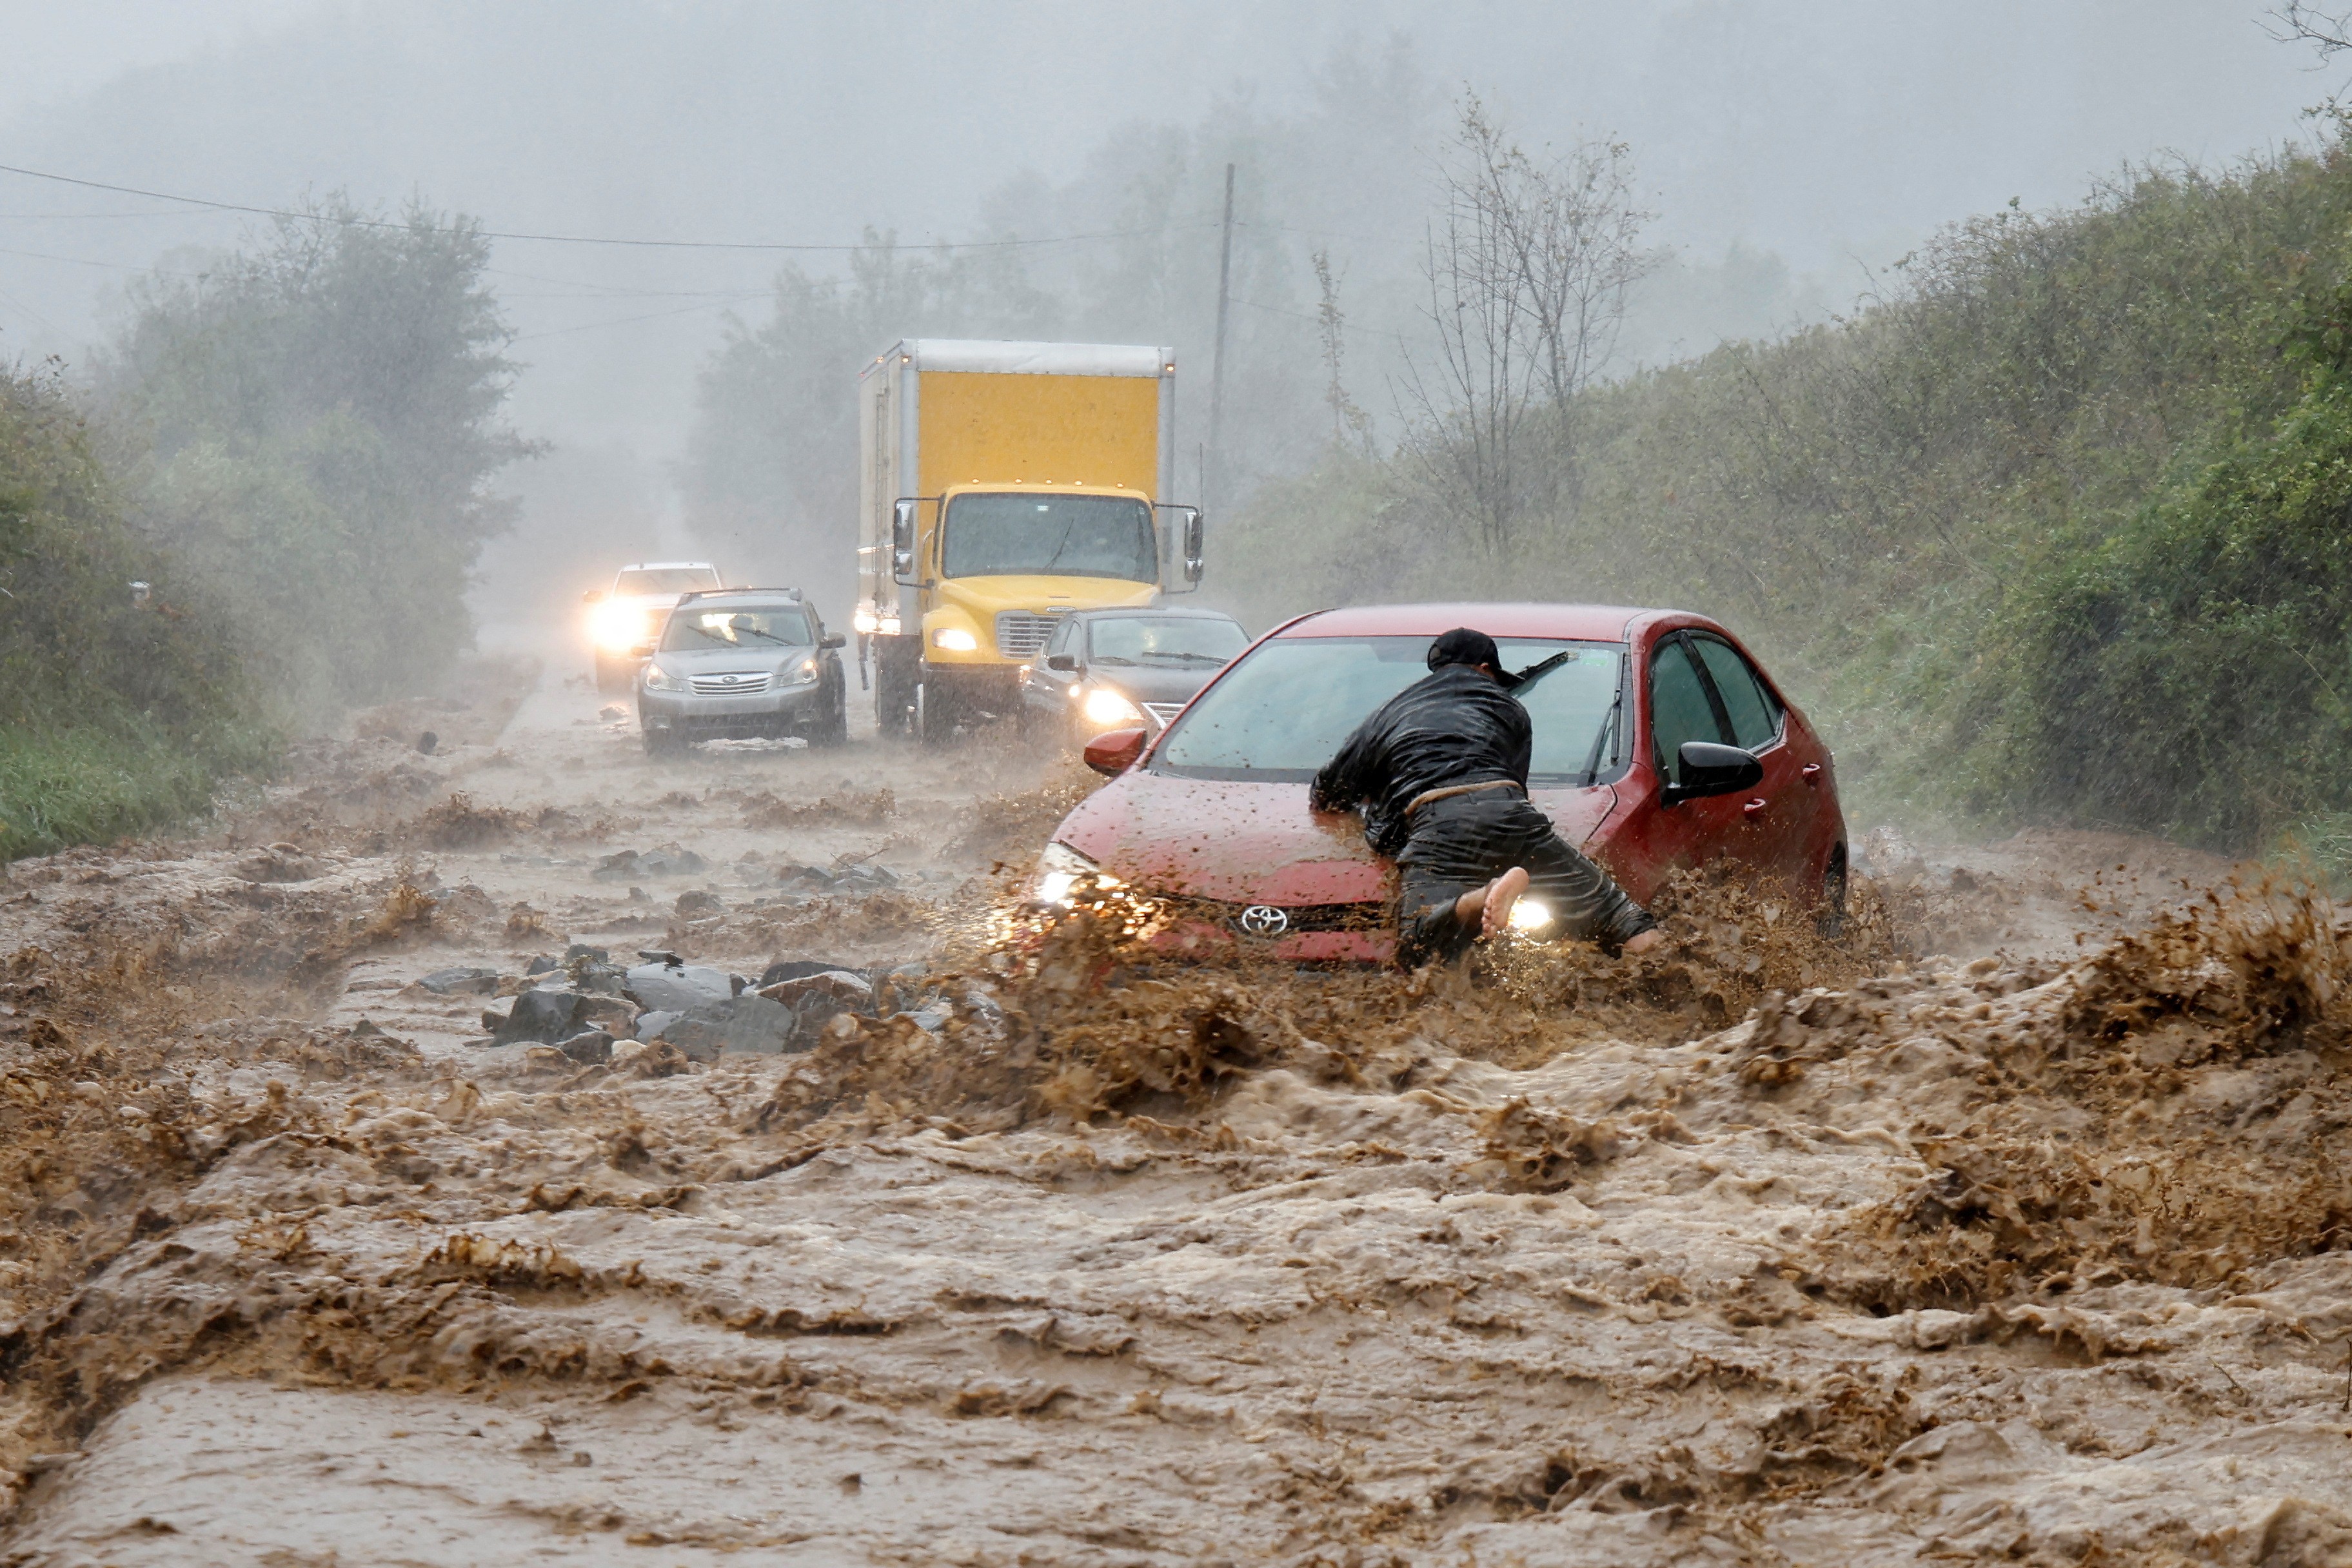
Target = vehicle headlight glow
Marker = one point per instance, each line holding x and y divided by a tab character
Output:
802	674
1531	914
1106	707
1058	871
617	628
661	680
955	639
864	621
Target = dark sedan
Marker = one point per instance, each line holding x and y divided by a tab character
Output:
1116	669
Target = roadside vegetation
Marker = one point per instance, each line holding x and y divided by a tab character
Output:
2053	530
257	511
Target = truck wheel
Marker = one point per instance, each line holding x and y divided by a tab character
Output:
935	714
614	677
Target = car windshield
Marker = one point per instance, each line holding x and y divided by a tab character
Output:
1165	642
1030	535
749	627
666	579
1280	713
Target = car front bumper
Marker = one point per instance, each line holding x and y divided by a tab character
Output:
736	717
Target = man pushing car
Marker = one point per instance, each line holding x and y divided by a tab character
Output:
1441	771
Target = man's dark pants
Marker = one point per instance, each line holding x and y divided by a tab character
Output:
1465	842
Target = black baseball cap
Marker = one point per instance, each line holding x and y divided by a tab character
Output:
1463	647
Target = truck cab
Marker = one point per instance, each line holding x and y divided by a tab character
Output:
1007	484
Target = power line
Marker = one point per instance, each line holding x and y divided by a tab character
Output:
356	222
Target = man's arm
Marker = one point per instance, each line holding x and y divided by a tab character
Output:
1518	742
1343	782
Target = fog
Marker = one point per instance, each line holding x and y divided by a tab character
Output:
1790	153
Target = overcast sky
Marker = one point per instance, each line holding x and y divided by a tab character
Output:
1834	133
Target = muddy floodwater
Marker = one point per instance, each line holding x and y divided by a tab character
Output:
2008	1227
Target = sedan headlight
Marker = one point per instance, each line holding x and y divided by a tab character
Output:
661	680
1108	707
1058	871
1531	914
955	639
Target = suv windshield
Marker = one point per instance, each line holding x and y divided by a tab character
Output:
666	579
1280	713
1167	642
749	627
1029	535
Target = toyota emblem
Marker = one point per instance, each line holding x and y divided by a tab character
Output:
730	680
1264	920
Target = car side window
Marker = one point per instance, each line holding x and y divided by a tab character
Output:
1679	708
1059	642
1755	716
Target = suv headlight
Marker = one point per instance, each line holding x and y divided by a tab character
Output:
661	680
1059	869
1108	707
802	674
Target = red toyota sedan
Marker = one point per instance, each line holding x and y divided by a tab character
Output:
1659	744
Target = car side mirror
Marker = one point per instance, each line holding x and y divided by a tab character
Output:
1194	561
902	539
594	596
1063	661
1708	768
1114	751
833	640
641	651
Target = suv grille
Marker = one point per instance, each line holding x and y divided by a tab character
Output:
1021	632
741	683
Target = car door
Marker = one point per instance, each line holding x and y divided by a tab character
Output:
1780	809
1681	705
1045	691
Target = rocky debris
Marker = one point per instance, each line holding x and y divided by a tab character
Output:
428	743
590	1048
816	999
463	980
675	987
795	969
651	1024
749	1025
666	860
277	863
611	712
695	901
545	963
545	1015
861	877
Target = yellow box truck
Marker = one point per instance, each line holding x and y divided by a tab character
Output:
1004	485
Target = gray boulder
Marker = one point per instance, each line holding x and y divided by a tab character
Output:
545	1015
737	1026
589	1047
677	988
464	979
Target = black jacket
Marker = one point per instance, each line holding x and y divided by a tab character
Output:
1457	726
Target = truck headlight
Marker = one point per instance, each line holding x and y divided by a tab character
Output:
1108	707
661	680
1059	869
617	628
955	639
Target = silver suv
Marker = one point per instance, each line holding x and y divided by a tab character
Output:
738	663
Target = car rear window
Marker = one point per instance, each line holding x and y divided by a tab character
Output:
747	627
1281	713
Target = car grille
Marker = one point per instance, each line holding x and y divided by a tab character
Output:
1021	632
1163	712
741	684
1297	917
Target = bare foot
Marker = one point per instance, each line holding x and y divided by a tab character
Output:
1490	905
1644	941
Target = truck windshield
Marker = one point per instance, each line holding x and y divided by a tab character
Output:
748	627
665	580
1050	536
1281	713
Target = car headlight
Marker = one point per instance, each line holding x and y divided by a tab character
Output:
1108	707
1059	869
802	674
955	639
617	628
661	680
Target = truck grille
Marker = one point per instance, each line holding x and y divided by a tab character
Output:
1021	632
739	683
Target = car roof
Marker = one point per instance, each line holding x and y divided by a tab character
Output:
793	594
669	566
1580	623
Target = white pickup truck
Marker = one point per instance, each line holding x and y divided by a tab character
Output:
628	615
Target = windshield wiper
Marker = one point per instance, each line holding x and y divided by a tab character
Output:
1608	726
1111	659
1534	673
1185	658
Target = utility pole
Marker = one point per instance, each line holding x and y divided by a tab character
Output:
1217	365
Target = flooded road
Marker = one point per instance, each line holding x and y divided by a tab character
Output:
2021	1252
